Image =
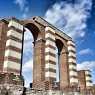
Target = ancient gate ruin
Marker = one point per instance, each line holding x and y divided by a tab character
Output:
46	39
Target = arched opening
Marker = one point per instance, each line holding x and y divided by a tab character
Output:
31	34
59	46
34	30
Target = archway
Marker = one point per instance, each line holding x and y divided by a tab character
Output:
27	68
38	54
59	46
34	30
30	36
62	65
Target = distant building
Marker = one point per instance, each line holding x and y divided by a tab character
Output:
85	81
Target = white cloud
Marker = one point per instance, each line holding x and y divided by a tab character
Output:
28	42
86	65
23	7
27	66
27	35
86	51
25	14
21	3
70	17
27	72
28	46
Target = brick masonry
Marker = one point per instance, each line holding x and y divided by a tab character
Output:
3	38
85	81
46	39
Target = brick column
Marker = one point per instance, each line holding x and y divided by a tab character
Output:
39	64
3	38
50	56
82	82
12	59
72	63
10	78
64	77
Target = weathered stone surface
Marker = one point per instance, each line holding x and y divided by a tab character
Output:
44	59
11	84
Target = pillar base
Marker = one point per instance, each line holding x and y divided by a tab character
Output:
38	85
49	85
46	85
71	89
11	84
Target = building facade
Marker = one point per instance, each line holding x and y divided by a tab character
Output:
46	39
85	81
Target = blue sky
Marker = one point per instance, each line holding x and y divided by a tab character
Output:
75	17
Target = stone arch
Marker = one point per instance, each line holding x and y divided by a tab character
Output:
45	38
34	30
52	40
68	74
63	64
59	46
38	57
